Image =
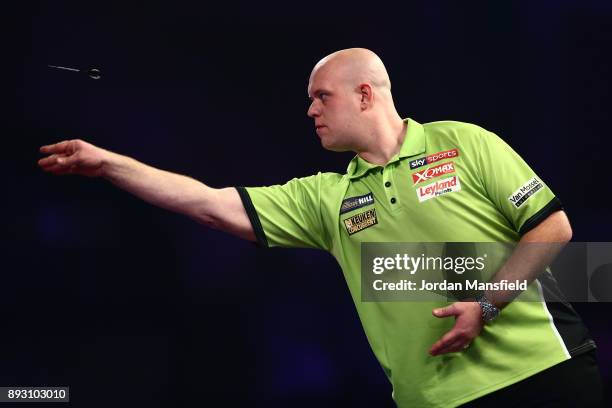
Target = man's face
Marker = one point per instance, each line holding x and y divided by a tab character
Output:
335	108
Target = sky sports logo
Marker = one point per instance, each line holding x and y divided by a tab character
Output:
524	192
432	172
432	158
438	188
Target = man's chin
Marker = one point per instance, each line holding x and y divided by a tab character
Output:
335	149
332	147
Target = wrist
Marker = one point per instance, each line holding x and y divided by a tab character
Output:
110	165
488	310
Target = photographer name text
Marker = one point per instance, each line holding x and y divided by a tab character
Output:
406	285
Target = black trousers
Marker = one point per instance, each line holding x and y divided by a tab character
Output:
573	383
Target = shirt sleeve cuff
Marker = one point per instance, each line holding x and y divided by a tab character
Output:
253	217
533	221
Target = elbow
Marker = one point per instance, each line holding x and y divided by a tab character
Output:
565	232
205	210
568	233
207	220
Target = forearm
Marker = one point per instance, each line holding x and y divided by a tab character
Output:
533	253
161	188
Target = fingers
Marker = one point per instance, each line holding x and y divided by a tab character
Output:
455	347
451	342
68	161
468	324
444	342
446	311
53	160
59	156
55	148
58	169
48	161
58	164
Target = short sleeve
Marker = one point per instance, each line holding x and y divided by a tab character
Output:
512	185
287	215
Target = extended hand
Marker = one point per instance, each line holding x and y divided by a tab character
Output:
468	325
73	157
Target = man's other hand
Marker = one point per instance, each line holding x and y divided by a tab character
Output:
468	325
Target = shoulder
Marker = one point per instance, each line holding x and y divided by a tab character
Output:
455	133
453	128
321	178
321	181
331	179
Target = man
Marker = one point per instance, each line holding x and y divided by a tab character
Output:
478	190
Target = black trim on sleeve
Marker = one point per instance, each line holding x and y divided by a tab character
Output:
253	217
552	206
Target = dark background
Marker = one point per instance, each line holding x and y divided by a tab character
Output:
128	304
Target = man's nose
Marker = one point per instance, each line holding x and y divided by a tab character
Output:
313	110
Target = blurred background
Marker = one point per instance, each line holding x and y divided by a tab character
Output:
131	305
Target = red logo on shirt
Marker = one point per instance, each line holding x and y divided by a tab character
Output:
438	188
432	172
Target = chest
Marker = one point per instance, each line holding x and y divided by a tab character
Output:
409	197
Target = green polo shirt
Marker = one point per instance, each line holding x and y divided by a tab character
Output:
450	182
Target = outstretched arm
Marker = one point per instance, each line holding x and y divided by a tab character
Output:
221	209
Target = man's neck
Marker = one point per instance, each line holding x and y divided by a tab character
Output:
385	142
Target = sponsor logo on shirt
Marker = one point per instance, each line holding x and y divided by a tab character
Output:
432	172
524	192
361	221
432	158
353	203
438	188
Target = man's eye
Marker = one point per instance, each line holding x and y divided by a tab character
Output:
323	96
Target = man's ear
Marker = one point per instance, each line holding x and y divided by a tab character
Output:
367	97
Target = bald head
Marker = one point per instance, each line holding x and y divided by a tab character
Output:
351	101
355	66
